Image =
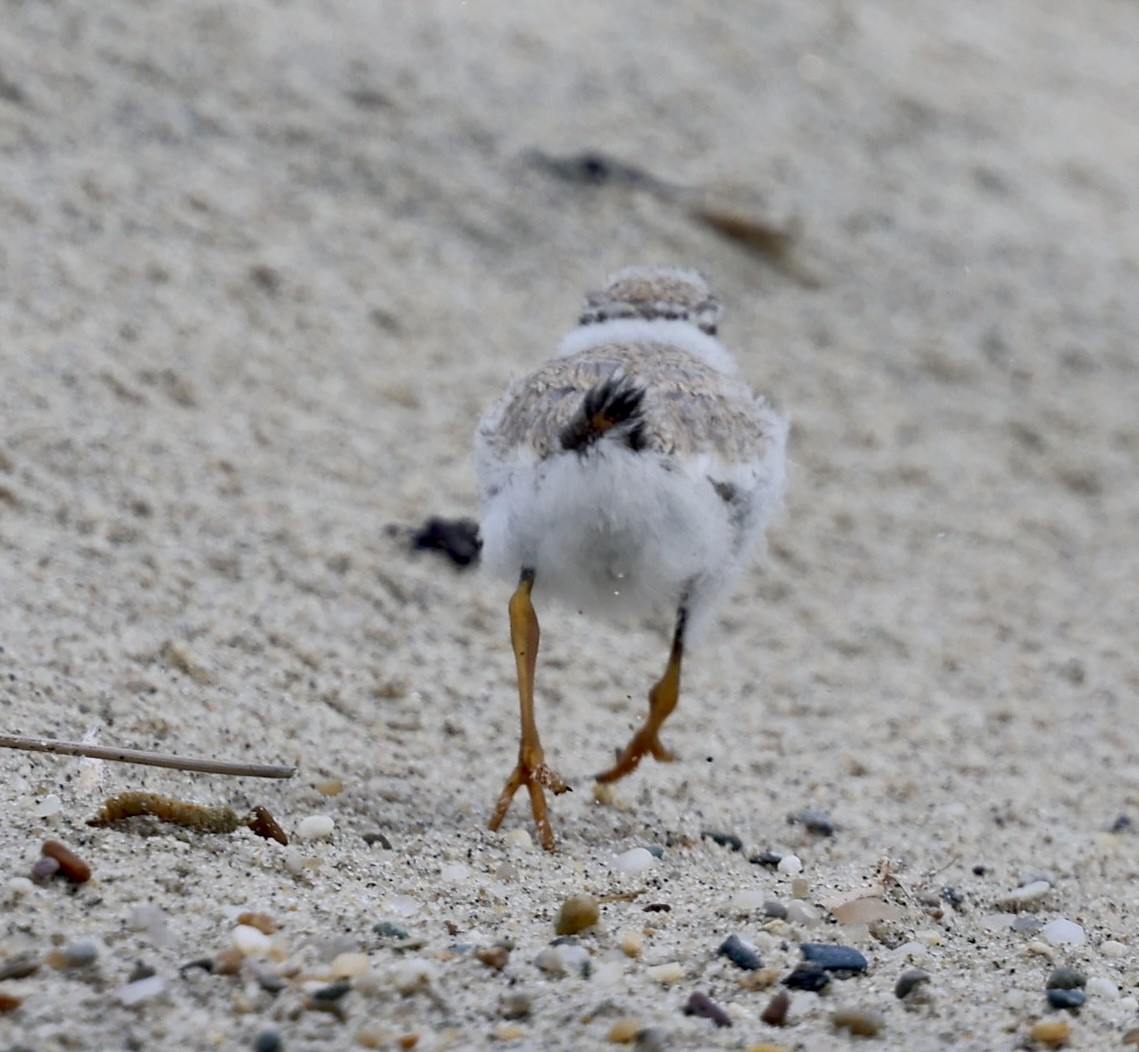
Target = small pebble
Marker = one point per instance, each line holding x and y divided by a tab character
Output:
729	840
315	827
508	1032
515	1005
70	864
1026	895
800	887
1063	932
1027	924
329	786
767	859
666	974
775	1014
740	954
387	930
774	908
250	942
1050	1031
19	967
631	943
348	965
519	838
261	921
800	913
550	961
331	993
750	900
1066	979
577	913
858	1021
494	957
1098	986
633	862
790	865
1112	949
50	806
655	850
77	955
411	974
1132	1036
267	1041
1070	999
403	905
910	980
808	976
20	886
9	1002
816	822
651	1039
44	869
701	1005
624	1031
455	873
833	958
140	990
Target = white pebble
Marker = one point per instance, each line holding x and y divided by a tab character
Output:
455	873
348	965
19	886
49	807
800	913
550	961
666	974
519	838
141	990
635	861
575	957
411	974
249	942
1112	949
790	865
748	901
402	905
315	827
1098	986
1025	895
1063	932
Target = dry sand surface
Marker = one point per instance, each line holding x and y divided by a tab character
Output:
263	265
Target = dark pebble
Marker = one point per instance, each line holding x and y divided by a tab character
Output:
723	839
1122	824
655	850
458	539
953	897
140	971
775	1014
909	981
816	822
205	963
657	907
331	993
980	870
20	966
740	954
703	1006
769	859
267	1041
387	930
808	976
651	1039
775	908
375	837
1070	999
834	958
1066	979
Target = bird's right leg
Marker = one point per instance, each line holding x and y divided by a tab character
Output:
531	769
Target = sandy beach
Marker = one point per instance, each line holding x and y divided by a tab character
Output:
263	265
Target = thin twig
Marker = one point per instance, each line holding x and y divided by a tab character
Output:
143	756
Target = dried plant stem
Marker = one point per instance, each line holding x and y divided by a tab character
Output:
150	759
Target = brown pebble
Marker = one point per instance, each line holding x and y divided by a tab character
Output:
624	1031
577	913
261	921
70	864
19	967
658	907
265	825
700	1004
331	787
228	962
408	1041
858	1021
9	1002
775	1014
1132	1036
1051	1031
493	956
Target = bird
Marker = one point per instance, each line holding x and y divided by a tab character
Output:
632	473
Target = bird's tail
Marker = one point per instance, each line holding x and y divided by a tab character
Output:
614	410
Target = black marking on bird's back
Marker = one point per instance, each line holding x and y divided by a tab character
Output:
726	491
613	408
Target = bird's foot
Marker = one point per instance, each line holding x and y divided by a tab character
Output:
643	743
535	776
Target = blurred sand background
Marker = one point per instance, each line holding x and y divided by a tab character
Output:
263	265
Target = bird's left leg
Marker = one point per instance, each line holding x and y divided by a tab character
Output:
662	700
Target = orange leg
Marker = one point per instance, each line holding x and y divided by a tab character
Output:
662	700
531	770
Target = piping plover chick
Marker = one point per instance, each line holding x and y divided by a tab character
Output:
632	472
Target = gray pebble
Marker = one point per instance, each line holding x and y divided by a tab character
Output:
834	958
387	930
808	976
655	850
768	859
816	822
1027	924
44	869
775	908
909	981
80	954
651	1039
267	1041
331	993
515	1005
1066	979
1070	999
740	954
723	839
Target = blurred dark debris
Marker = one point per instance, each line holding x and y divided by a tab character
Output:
731	218
816	822
458	539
